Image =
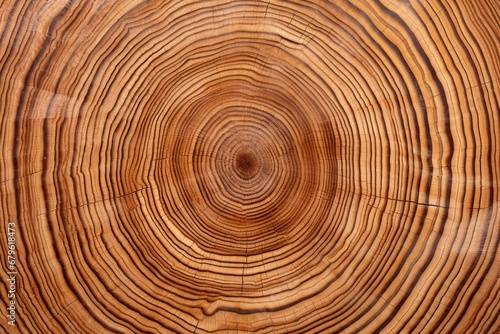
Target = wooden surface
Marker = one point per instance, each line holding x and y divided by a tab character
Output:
251	166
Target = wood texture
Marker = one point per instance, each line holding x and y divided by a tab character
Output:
251	166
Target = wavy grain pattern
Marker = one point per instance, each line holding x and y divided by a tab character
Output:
252	166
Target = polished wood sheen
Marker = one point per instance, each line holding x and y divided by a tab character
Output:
251	166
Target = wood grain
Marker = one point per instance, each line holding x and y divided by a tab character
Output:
251	166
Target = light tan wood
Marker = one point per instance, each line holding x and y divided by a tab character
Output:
251	166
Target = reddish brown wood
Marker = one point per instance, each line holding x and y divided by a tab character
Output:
251	166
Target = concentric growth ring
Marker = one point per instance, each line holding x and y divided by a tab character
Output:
251	166
236	165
